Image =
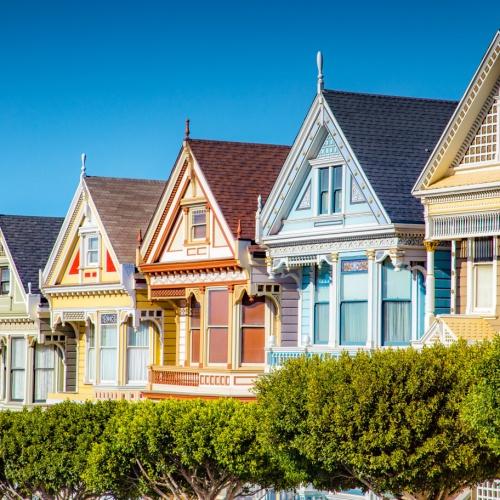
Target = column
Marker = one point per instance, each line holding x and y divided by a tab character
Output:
372	330
430	247
333	340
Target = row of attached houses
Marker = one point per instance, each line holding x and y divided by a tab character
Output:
378	228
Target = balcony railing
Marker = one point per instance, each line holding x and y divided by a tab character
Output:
163	375
468	225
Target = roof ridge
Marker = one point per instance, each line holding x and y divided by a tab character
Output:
240	142
391	96
45	217
123	178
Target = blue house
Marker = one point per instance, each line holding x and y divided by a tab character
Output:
342	222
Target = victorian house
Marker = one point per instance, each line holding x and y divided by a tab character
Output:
99	314
460	192
29	370
342	223
203	268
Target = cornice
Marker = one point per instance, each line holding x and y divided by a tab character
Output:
85	290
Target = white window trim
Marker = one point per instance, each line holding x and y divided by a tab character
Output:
191	238
268	331
316	166
86	263
150	346
99	380
87	379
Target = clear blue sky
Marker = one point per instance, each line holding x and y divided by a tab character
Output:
116	79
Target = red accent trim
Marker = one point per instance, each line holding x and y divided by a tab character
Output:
110	267
75	267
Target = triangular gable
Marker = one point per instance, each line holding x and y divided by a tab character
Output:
68	263
6	260
168	237
319	137
466	121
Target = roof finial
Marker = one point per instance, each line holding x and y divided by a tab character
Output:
238	230
187	131
139	237
319	62
83	168
259	204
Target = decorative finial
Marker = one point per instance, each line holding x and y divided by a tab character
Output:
139	237
259	204
238	230
83	168
187	131
319	62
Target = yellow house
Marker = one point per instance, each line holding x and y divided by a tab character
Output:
99	314
460	191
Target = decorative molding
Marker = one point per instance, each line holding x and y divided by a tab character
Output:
431	245
157	293
194	277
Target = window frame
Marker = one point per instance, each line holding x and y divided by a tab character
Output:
102	381
209	326
317	302
263	300
4	269
88	250
192	225
190	329
88	378
53	369
12	370
334	188
481	261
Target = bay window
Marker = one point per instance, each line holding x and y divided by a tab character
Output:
396	305
323	276
329	190
138	353
17	368
353	301
194	330
252	329
483	274
108	348
90	354
217	326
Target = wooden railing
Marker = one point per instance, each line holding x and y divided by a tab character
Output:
169	376
478	224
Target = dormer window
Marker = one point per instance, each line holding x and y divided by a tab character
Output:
4	281
198	222
330	190
92	250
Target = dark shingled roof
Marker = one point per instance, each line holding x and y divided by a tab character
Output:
392	137
237	172
124	206
30	241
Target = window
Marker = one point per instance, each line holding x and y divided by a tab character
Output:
483	274
44	368
4	281
198	223
108	348
252	329
3	371
138	353
353	301
217	325
396	305
17	368
92	250
322	282
194	327
330	190
90	354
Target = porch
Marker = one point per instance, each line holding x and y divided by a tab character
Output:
192	382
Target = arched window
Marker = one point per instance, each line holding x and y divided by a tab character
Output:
252	329
194	330
396	305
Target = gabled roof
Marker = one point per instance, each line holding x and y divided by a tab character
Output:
469	327
125	206
392	138
237	172
30	240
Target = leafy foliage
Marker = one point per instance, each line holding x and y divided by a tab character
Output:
387	421
181	449
482	408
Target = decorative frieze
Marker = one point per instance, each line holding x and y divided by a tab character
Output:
463	226
201	277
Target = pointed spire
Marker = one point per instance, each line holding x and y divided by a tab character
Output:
187	130
238	230
139	237
259	204
319	62
83	168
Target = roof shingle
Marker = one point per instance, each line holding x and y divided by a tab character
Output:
124	207
392	137
30	240
237	172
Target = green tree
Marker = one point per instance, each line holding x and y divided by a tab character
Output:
181	449
45	451
389	421
482	407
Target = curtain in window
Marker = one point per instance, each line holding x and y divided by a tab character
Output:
217	325
397	322
138	353
322	303
90	358
18	360
109	339
484	286
253	330
3	368
353	322
44	372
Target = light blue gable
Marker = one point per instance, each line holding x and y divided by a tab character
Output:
302	206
